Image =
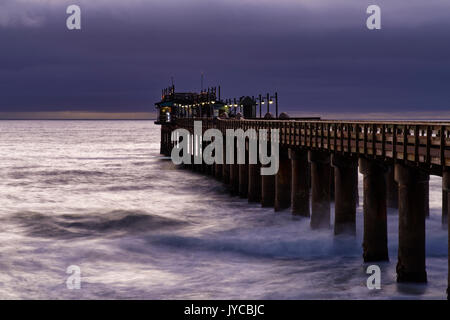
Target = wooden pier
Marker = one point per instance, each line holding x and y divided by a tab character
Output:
395	158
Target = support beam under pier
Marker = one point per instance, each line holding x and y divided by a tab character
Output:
254	183
412	184
345	178
225	166
445	208
243	180
375	243
267	190
446	193
283	182
320	189
392	188
300	182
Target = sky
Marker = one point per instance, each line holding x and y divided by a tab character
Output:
317	54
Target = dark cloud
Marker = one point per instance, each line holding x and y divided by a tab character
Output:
317	54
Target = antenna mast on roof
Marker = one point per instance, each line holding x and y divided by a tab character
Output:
201	83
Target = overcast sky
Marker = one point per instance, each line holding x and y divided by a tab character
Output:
318	54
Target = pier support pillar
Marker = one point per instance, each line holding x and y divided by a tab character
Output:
267	190
283	182
243	180
412	183
426	190
218	170
320	189
193	146
445	197
205	168
165	140
300	182
243	175
161	142
225	166
332	187
345	178
375	243
234	172
254	183
234	179
392	188
446	194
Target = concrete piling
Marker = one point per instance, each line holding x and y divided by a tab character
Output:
225	166
320	189
254	183
412	183
243	180
267	190
392	188
218	170
426	190
446	194
375	243
234	179
300	182
345	171
445	197
283	182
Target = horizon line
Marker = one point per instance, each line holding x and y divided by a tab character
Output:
88	115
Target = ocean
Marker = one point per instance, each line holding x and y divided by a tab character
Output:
97	195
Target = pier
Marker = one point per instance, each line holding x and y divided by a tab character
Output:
320	159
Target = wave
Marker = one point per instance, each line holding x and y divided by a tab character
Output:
109	224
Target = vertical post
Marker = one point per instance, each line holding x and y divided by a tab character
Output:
234	172
254	175
426	191
300	182
260	111
320	188
193	146
332	186
276	105
254	183
225	166
268	104
161	141
412	183
267	186
283	182
375	243
345	177
445	197
243	175
446	193
392	188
